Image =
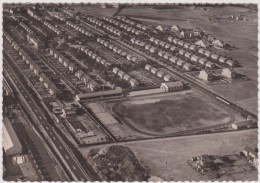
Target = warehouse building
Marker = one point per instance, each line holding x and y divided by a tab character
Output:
11	143
172	86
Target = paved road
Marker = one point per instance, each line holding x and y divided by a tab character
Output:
160	140
75	169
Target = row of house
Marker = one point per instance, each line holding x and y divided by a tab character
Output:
53	28
112	29
32	14
202	51
48	84
103	25
33	66
79	28
90	83
37	42
126	77
208	75
94	21
251	153
58	15
132	23
190	56
126	20
29	30
118	50
63	60
126	27
159	73
95	56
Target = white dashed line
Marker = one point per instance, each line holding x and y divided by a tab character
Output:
66	157
74	167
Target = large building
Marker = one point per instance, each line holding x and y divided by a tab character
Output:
172	86
11	143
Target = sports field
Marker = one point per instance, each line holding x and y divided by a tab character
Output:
172	113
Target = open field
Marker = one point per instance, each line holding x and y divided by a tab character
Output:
172	113
167	158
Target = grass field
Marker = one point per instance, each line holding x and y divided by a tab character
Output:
168	114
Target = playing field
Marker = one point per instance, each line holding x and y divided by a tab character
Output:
172	113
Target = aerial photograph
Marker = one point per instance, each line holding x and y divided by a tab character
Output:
129	92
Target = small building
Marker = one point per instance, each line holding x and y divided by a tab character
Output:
194	58
72	67
215	56
85	78
126	77
218	43
187	33
242	124
230	63
93	85
154	70
79	74
121	74
160	74
180	43
53	89
229	73
209	64
203	61
205	75
66	63
222	59
171	86
148	67
173	48
180	62
201	51
68	111
207	53
134	82
175	28
188	67
174	59
181	52
187	55
193	47
200	43
167	77
115	70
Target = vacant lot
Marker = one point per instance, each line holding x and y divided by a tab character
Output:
172	113
167	157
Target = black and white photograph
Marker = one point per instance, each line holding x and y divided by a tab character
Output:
137	91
